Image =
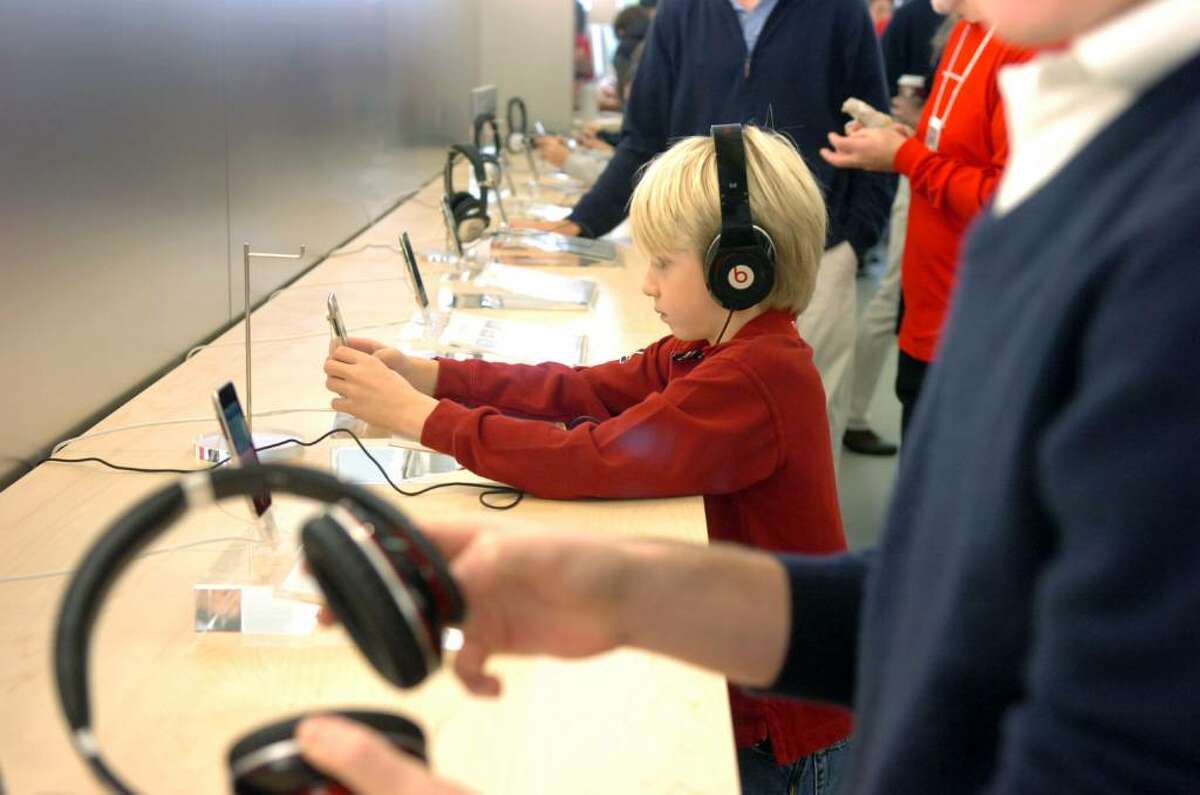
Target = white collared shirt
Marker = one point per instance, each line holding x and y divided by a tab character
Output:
753	22
1059	101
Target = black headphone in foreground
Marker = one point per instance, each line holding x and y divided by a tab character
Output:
518	134
468	214
740	261
385	581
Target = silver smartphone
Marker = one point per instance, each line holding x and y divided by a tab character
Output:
414	273
238	438
337	327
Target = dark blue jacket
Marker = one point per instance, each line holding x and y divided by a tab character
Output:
811	56
1031	620
908	42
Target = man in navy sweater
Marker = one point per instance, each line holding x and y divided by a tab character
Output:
782	64
1029	621
787	65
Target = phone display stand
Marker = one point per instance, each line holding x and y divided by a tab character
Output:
550	249
212	447
401	460
499	286
510	341
429	323
562	183
531	207
242	594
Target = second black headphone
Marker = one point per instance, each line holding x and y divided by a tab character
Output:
482	121
489	158
740	261
518	133
468	214
386	582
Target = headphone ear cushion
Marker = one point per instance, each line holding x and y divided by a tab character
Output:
461	204
363	602
282	771
740	277
426	572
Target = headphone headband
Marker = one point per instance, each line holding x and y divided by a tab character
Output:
515	103
486	120
737	222
471	153
136	528
741	258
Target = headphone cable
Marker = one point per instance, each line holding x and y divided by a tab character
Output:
721	336
487	495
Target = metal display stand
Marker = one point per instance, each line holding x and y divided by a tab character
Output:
246	255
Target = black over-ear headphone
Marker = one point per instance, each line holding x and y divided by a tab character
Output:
741	259
469	214
518	134
382	578
486	120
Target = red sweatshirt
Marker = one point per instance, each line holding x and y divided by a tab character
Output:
742	423
951	185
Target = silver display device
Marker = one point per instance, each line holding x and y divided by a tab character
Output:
337	327
483	102
241	450
451	229
414	273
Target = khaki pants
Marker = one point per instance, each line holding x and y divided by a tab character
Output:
877	326
828	326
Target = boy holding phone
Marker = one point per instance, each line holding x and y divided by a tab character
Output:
730	406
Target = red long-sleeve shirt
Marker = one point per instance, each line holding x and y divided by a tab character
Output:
951	185
742	423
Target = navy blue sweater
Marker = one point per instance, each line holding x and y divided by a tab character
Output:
811	56
908	42
1031	620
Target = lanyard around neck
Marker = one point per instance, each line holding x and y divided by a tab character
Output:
949	74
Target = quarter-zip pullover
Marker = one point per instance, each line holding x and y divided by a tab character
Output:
696	71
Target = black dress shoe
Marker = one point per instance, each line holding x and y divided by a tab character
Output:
867	443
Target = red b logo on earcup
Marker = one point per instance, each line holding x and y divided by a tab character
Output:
741	277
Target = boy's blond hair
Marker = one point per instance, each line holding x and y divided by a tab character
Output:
676	207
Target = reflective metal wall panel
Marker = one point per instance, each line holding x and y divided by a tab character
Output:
527	47
112	202
142	143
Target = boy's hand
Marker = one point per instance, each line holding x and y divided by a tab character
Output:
866	148
372	391
365	345
418	371
364	760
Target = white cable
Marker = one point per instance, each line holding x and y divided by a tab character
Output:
312	285
160	551
347	252
62	445
291	287
310	335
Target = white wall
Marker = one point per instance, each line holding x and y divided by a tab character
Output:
141	143
526	49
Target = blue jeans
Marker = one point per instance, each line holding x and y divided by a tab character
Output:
818	774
